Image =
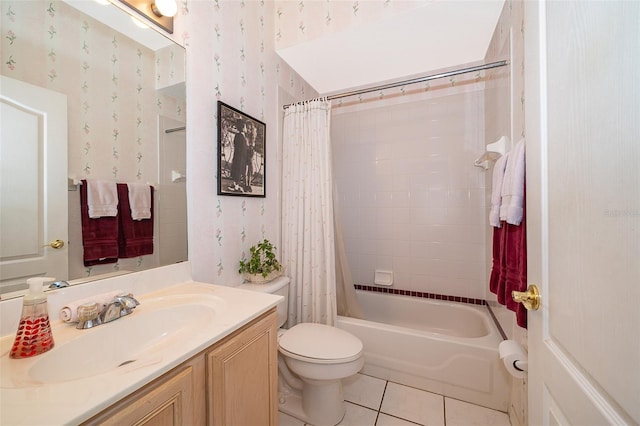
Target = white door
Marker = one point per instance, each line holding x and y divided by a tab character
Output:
582	62
33	183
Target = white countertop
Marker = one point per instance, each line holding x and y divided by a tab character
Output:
26	402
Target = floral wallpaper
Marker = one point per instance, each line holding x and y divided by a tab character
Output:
230	57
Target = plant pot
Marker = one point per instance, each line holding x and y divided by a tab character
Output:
259	279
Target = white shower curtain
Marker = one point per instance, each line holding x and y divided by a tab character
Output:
308	246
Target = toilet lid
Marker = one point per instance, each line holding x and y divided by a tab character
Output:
321	342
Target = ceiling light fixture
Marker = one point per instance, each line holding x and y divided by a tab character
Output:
160	12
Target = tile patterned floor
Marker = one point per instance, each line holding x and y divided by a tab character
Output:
376	402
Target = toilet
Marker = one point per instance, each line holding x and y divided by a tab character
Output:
313	359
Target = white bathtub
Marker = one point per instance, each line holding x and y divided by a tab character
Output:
443	347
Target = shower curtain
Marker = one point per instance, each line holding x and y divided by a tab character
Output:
312	244
308	245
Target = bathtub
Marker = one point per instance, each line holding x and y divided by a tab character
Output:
444	347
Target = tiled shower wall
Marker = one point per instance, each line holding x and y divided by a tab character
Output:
410	198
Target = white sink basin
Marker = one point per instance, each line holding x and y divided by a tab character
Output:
125	342
128	343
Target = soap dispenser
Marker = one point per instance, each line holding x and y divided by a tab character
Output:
34	331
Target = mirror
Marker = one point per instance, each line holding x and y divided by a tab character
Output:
126	120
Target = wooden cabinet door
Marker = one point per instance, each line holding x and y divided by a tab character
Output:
242	379
177	398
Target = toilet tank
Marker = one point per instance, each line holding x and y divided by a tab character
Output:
279	286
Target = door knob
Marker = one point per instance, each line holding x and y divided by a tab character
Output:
530	298
55	244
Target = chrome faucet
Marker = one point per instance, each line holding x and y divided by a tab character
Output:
59	284
120	306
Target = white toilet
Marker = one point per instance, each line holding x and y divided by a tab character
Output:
313	360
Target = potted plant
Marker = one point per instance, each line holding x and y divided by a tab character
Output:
262	266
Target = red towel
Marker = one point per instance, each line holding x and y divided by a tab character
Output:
135	236
99	236
509	269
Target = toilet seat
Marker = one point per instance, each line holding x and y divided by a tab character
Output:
320	344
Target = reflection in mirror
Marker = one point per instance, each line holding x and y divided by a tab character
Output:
125	123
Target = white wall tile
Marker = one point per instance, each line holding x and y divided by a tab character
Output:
402	215
428	200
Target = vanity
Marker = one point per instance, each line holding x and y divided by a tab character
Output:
190	353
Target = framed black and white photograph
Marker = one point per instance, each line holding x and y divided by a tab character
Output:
241	153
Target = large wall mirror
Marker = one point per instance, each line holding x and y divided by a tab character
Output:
85	94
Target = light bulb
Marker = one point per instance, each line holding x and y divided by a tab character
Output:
165	7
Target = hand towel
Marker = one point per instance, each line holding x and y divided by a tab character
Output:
509	268
102	198
139	200
513	186
69	312
496	190
99	236
135	236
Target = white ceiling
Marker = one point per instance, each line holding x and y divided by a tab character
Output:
439	35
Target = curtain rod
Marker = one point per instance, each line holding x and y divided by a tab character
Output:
414	80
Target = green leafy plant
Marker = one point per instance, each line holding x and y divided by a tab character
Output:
262	260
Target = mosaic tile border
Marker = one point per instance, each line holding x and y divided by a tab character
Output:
421	294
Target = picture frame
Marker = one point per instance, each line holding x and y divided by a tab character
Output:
241	153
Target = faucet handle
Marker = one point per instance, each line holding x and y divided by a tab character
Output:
127	300
128	303
88	315
132	300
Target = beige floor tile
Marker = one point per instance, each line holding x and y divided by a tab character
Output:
413	404
386	420
358	416
364	390
287	420
460	413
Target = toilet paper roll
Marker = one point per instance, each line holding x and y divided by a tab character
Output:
514	357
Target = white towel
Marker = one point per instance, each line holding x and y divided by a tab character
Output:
102	198
139	200
69	312
511	208
496	191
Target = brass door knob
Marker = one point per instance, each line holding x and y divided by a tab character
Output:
530	298
55	244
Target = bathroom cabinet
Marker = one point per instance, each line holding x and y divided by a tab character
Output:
242	379
233	382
